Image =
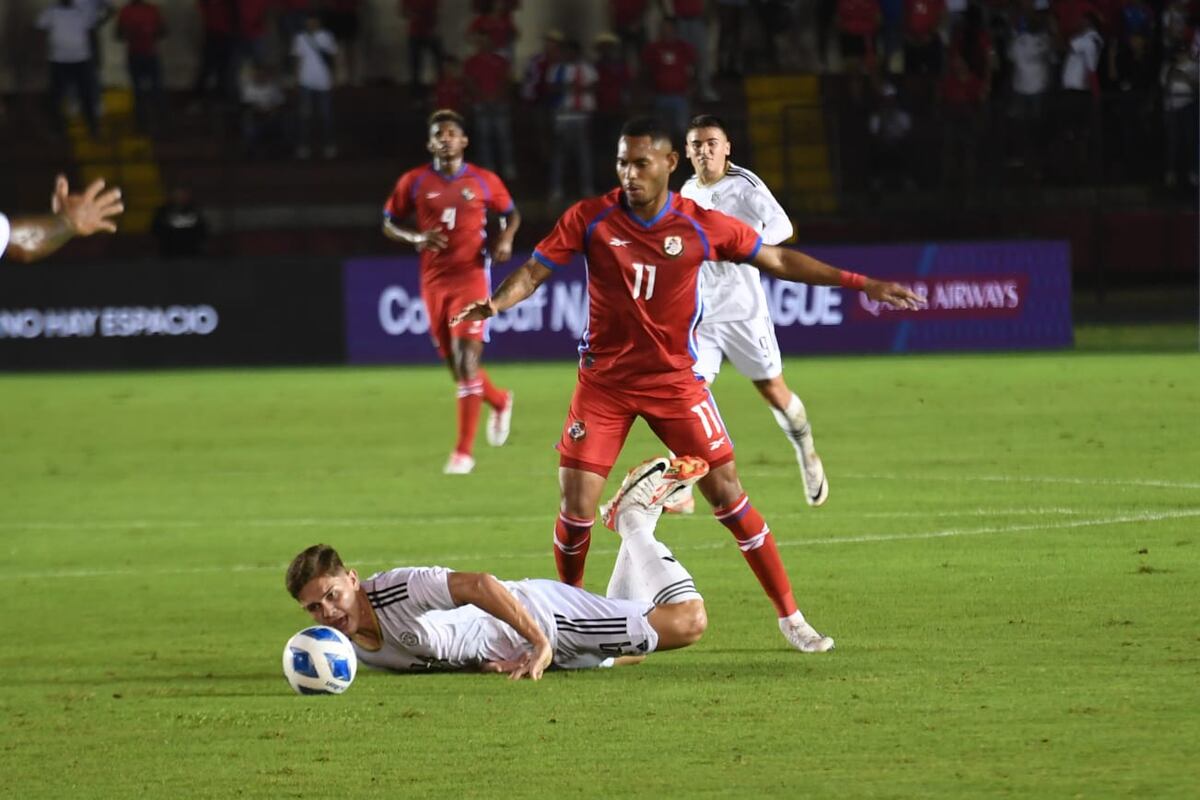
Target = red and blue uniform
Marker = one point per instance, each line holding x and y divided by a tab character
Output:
638	352
460	274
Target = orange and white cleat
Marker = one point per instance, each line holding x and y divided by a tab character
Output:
654	483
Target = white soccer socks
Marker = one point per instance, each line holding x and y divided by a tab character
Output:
646	569
793	421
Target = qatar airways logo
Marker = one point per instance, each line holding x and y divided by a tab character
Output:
953	298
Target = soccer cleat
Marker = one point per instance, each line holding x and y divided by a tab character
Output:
652	484
804	637
816	485
681	503
499	422
459	464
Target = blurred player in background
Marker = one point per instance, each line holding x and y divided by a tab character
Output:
420	618
737	322
644	247
31	238
450	200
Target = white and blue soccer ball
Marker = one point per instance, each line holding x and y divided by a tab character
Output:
319	660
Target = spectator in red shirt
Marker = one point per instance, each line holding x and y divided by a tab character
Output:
216	60
140	25
537	95
575	81
487	78
962	94
629	22
670	64
451	88
858	26
423	42
251	46
691	24
496	23
613	82
923	47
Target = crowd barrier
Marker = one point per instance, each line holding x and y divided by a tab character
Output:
982	296
63	316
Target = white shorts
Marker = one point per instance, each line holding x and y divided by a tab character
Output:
749	344
584	628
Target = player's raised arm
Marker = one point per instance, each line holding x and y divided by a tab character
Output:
483	591
792	265
92	211
515	288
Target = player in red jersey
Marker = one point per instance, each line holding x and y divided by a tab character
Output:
644	246
450	200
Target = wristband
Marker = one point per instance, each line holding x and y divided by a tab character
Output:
852	280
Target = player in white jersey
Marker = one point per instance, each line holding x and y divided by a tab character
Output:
34	237
420	618
737	321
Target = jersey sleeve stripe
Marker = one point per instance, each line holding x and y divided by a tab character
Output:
757	246
591	226
487	192
547	263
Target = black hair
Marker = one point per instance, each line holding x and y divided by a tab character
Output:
708	121
647	126
447	115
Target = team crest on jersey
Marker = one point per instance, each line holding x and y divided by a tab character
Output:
716	198
467	194
577	430
408	639
673	245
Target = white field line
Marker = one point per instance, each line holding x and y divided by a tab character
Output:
917	478
368	522
1145	517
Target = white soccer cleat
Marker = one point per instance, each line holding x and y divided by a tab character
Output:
652	484
816	485
499	422
804	637
459	464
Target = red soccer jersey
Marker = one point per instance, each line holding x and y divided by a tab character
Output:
669	65
643	283
486	76
458	204
140	26
923	16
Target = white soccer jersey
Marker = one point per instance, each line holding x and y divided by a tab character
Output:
422	629
4	228
734	291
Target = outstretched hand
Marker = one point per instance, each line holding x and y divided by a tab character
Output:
480	309
893	294
90	212
530	665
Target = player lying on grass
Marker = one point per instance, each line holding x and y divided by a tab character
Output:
35	237
419	618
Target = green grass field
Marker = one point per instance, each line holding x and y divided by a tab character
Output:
1009	561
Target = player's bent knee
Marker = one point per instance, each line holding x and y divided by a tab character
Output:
679	624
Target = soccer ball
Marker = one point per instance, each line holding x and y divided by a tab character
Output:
319	660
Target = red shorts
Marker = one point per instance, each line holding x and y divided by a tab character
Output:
443	302
685	419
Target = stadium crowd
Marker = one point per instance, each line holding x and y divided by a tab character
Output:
923	93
